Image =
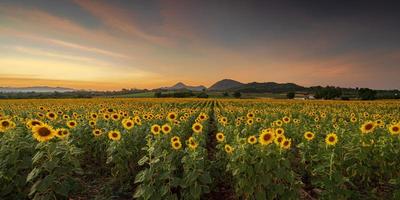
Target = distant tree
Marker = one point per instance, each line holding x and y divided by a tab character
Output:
366	94
237	94
157	94
202	95
290	95
328	92
225	94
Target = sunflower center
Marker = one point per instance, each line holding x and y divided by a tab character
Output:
44	132
395	129
267	137
368	127
5	123
309	135
129	124
331	139
34	123
115	135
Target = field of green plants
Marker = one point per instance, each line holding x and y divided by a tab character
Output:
199	149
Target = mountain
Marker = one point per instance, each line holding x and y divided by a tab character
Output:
272	87
182	86
35	89
225	84
255	87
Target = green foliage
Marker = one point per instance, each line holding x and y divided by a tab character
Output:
56	165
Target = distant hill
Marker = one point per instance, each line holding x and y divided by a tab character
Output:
35	89
255	87
273	87
182	86
225	84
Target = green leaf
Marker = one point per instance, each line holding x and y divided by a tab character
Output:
32	175
260	195
205	178
45	183
140	176
143	160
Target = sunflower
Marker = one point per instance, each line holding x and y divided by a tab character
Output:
278	122
62	133
394	129
106	116
166	128
93	115
114	135
43	133
252	139
33	122
97	132
279	139
286	119
331	139
192	143
197	127
250	115
172	116
128	124
309	135
228	148
51	115
5	124
155	129
115	116
250	121
279	131
286	143
175	138
176	145
368	127
92	123
72	124
266	138
220	137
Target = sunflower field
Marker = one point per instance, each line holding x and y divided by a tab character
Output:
199	149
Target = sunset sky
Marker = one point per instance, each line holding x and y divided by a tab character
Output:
109	45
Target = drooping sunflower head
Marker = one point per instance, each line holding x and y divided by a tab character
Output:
114	135
331	139
166	128
252	139
220	137
266	138
155	129
309	135
368	127
197	127
43	133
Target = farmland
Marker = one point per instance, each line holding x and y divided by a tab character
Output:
199	149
